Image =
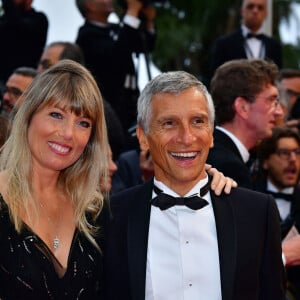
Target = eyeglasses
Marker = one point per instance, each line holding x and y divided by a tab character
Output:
286	153
251	6
13	91
272	101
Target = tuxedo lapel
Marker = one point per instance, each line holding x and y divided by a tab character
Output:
138	228
226	234
239	45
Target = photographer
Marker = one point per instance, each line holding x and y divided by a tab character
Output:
108	50
23	33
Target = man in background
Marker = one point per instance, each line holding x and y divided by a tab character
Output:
246	100
23	34
108	50
57	51
279	165
16	84
289	82
249	41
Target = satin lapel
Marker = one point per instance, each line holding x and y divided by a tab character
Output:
138	228
226	233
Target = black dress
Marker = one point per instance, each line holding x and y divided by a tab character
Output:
28	267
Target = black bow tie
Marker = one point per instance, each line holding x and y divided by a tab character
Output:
278	195
252	35
165	201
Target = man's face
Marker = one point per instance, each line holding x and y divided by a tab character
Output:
22	5
254	13
15	86
263	112
292	88
49	57
284	166
179	138
102	7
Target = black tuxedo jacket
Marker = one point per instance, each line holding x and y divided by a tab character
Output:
226	157
108	55
248	235
293	273
231	47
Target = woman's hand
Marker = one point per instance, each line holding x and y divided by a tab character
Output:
219	181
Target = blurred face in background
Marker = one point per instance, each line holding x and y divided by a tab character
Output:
50	57
283	166
101	8
14	87
292	88
254	13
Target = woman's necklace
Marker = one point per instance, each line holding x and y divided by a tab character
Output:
56	240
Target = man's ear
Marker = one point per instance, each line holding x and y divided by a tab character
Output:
241	106
212	133
143	140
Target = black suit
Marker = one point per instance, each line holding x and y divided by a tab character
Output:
248	237
293	273
108	55
226	157
23	36
231	47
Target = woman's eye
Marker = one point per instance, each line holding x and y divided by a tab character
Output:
56	115
85	124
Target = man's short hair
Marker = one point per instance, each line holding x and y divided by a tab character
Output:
26	71
70	51
288	73
240	78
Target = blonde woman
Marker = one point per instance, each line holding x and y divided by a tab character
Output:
51	167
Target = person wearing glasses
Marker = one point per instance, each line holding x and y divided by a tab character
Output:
248	41
279	170
16	84
289	82
246	101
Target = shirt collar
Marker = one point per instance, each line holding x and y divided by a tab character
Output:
193	191
272	188
246	30
242	149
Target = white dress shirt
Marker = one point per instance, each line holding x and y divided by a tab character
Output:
283	205
254	47
183	257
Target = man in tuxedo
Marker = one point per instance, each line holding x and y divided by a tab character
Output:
173	238
109	48
248	41
23	34
246	100
289	82
279	165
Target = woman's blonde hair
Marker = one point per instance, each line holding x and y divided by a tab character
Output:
70	85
